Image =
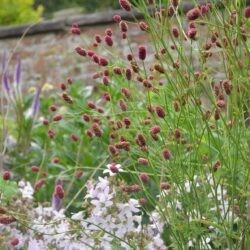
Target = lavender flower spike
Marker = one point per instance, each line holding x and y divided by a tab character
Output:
4	61
36	103
56	202
17	75
5	83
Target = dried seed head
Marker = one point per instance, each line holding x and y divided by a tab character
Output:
175	32
216	166
227	86
126	93
140	140
193	14
142	161
171	11
67	98
112	150
160	111
175	3
216	114
177	134
122	105
143	26
56	160
151	2
176	106
6	175
134	66
119	124
127	122
165	186
125	4
96	129
78	173
144	177
159	68
142	52
166	154
147	84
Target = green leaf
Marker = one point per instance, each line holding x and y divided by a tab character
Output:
8	189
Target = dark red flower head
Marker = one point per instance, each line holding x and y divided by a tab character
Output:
247	12
142	52
193	14
125	4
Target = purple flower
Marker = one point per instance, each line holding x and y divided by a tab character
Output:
3	61
17	75
5	82
36	102
56	202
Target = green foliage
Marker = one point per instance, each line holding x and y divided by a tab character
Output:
8	189
88	6
18	12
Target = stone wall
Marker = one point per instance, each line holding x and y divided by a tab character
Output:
47	49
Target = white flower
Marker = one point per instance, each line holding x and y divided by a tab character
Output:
113	169
26	189
77	216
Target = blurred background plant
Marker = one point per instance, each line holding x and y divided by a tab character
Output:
19	11
87	6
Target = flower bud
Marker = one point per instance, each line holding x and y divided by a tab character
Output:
142	52
144	177
125	4
6	175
